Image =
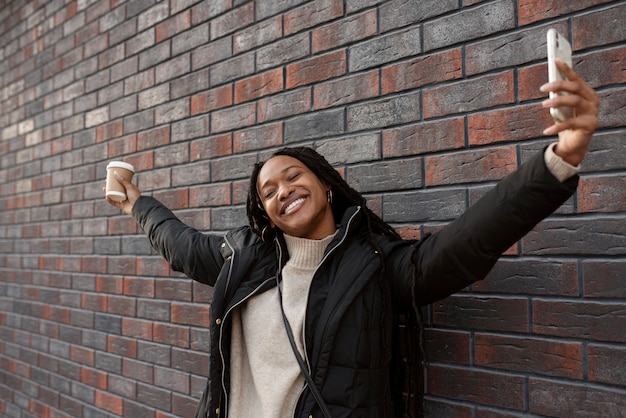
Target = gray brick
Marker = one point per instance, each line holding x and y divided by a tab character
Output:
469	24
190	39
398	13
152	16
351	149
196	173
224	219
283	51
139	121
386	175
384	49
190	128
232	118
270	8
124	69
171	111
315	125
211	53
173	68
232	69
134	7
189	84
232	167
124	106
155	55
122	32
141	42
384	112
424	206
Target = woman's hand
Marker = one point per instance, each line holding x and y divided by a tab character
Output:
132	194
574	133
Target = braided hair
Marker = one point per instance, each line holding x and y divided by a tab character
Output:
344	196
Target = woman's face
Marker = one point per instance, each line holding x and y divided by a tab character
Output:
294	198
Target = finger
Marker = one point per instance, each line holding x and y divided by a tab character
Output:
586	123
581	86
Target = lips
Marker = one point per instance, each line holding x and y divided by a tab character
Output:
290	206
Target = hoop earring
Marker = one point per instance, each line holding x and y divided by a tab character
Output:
329	196
263	233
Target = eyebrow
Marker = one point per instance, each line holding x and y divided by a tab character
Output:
284	170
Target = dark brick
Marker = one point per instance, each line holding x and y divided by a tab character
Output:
542	399
581	320
384	49
477	386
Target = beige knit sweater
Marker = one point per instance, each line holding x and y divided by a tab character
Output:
265	379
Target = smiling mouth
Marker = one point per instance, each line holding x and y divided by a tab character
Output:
293	205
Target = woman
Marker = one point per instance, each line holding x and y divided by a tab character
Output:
308	296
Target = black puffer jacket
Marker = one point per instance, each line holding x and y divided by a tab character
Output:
351	307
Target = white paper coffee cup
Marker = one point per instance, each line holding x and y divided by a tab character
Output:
114	189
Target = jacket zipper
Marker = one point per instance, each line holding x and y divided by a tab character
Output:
224	317
332	250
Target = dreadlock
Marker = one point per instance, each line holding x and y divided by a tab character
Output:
405	378
344	196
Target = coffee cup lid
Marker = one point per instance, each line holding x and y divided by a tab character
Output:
121	164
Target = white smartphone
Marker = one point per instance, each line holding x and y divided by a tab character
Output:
558	47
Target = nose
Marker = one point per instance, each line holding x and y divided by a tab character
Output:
284	191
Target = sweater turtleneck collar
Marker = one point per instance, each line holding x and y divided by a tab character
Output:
306	253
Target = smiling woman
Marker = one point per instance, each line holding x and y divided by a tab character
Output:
307	297
294	199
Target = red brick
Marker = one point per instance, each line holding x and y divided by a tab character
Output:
601	68
190	314
348	30
109	402
122	146
422	71
211	147
316	69
213	99
93	378
530	11
82	355
581	320
602	194
94	302
122	346
346	90
172	26
511	124
153	138
547	357
424	138
137	286
259	85
109	130
171	334
474	166
530	79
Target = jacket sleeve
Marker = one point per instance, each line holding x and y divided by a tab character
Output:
465	250
188	250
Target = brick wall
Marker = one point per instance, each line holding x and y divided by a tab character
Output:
421	104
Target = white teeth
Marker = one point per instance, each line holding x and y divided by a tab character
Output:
293	205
